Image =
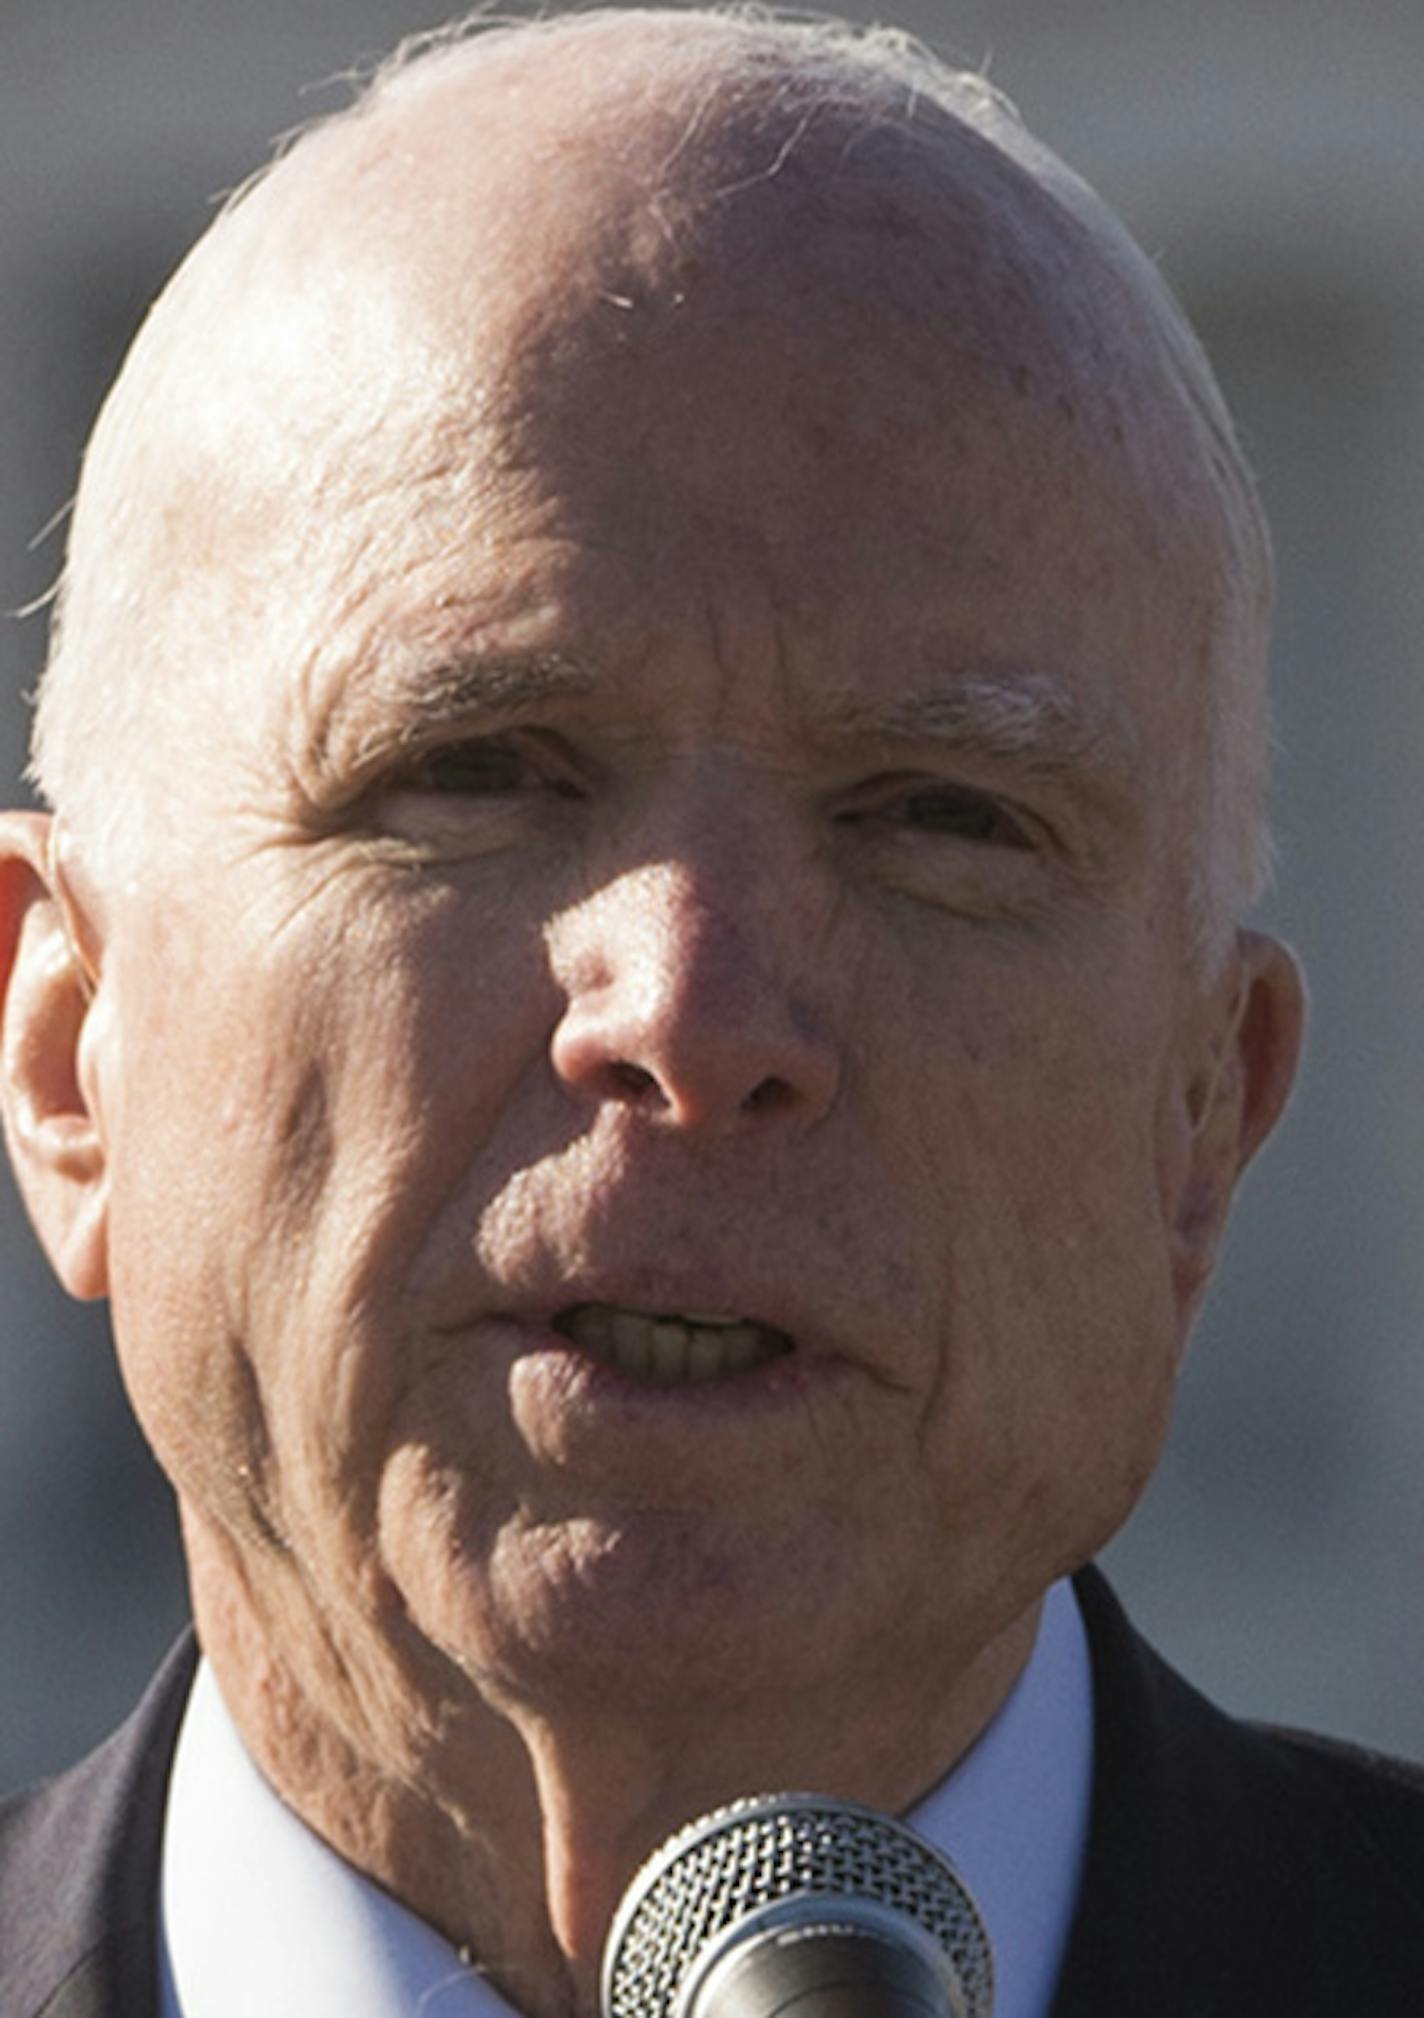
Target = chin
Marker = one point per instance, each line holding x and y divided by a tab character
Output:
654	1614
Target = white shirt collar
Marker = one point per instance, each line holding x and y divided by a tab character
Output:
1013	1815
258	1914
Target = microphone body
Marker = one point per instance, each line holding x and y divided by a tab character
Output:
797	1906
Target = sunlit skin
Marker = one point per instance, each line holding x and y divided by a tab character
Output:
672	785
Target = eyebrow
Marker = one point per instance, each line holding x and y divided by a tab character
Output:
993	713
1000	714
417	701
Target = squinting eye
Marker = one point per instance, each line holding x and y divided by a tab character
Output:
964	815
485	768
954	811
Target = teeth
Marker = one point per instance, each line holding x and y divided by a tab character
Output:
706	1355
629	1343
670	1342
669	1350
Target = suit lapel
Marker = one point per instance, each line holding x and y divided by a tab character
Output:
1228	1872
79	1867
117	1980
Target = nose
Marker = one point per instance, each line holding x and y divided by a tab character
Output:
680	1003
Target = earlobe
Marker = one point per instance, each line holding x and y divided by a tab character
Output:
1244	1072
52	1123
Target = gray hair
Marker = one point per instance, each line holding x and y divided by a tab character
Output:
800	66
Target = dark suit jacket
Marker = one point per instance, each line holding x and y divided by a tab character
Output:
1231	1872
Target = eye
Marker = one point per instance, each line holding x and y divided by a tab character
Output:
956	812
489	767
966	815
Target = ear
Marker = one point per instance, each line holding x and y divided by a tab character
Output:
1243	1063
52	1125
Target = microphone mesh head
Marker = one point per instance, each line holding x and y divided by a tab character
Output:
756	1852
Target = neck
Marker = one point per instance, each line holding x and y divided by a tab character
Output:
513	1828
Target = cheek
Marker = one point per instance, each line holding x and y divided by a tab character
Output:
1058	1325
302	1111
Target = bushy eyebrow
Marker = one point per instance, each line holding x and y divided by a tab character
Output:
1029	718
993	714
402	705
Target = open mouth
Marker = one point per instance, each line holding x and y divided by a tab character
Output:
670	1349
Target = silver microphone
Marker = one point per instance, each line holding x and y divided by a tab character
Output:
797	1906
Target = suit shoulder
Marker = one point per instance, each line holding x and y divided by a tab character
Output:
1234	1869
1384	1795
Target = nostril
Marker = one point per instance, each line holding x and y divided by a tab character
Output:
768	1096
632	1081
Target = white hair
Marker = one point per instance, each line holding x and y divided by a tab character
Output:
796	68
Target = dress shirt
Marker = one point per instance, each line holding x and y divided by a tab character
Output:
260	1915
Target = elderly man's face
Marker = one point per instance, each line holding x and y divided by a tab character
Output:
655	1117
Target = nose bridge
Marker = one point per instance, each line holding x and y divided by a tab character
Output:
692	992
688	938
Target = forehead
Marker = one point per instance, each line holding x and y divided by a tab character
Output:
602	358
548	206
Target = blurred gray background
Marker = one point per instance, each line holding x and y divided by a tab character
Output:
1271	153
